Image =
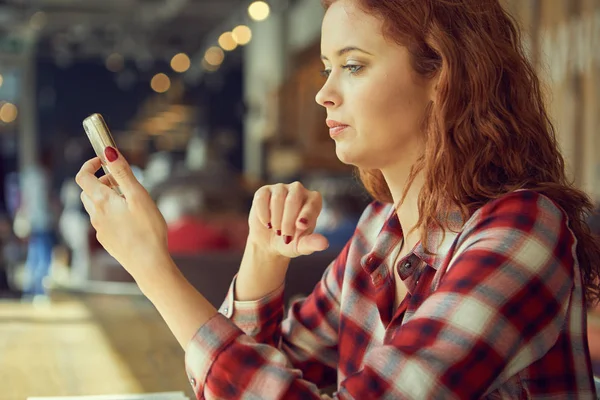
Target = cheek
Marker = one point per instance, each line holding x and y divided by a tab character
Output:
399	106
383	106
370	104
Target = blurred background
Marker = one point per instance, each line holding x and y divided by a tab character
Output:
208	100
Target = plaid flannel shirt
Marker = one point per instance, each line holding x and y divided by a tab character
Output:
498	313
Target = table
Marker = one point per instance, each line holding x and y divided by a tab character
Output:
87	344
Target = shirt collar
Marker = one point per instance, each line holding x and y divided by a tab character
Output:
391	235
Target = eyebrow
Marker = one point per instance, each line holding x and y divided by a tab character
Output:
347	50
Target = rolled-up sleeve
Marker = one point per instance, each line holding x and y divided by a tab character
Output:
260	319
247	350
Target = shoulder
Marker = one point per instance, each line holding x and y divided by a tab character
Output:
521	210
521	224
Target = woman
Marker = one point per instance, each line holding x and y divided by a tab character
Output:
466	278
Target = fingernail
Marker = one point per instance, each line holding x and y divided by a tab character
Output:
278	232
288	239
304	221
269	226
111	154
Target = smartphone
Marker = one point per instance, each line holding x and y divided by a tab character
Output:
99	135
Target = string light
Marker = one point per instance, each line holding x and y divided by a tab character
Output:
160	83
227	42
180	62
241	34
259	10
8	113
214	56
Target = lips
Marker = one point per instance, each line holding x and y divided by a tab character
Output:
334	124
335	127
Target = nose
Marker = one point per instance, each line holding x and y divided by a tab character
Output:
328	96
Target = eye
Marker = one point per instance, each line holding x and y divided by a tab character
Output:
353	69
325	73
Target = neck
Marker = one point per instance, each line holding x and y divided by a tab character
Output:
408	210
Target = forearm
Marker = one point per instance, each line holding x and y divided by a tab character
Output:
260	274
182	307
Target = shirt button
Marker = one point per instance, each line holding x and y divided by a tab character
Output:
193	382
371	260
225	310
407	265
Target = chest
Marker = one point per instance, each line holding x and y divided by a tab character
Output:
370	315
400	289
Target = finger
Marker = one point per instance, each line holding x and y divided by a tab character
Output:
307	217
293	204
95	190
278	194
86	178
262	204
107	180
308	244
121	171
92	165
88	204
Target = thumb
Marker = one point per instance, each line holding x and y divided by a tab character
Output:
310	243
120	170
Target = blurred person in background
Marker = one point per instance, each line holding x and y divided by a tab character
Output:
187	231
336	223
12	247
158	169
7	290
37	211
74	227
12	193
344	200
469	275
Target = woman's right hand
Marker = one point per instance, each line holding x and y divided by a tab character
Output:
283	218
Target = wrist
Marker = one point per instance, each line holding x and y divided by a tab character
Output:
155	273
262	257
261	272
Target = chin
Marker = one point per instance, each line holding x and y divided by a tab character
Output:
361	161
348	157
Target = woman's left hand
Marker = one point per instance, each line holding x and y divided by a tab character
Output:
129	227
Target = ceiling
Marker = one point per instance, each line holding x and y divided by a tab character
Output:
139	30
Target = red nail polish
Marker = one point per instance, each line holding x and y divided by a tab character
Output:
304	221
288	239
111	154
269	226
278	232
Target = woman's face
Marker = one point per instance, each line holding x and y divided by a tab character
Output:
371	90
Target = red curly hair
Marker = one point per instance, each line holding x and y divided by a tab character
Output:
488	132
